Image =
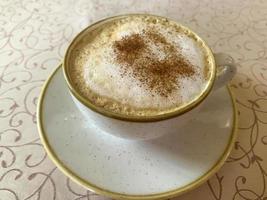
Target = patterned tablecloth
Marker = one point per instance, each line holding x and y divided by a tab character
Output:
34	35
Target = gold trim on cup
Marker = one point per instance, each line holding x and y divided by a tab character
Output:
178	111
94	188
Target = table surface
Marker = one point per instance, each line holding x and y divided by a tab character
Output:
34	35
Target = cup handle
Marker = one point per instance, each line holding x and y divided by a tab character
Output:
226	69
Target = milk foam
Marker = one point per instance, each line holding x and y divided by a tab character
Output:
103	76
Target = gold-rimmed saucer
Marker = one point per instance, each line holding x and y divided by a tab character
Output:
121	169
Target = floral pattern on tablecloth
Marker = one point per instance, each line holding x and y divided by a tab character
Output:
34	35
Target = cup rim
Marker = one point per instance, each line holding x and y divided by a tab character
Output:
152	118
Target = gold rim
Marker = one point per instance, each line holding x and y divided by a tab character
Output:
101	191
101	110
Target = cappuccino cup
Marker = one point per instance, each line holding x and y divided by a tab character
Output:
140	76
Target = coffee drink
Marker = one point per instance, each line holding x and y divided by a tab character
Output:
140	66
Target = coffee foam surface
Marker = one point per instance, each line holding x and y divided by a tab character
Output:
100	78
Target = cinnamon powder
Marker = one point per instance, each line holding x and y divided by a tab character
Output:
160	76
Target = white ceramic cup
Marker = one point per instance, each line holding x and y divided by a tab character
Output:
146	129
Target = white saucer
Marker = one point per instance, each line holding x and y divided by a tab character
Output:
122	169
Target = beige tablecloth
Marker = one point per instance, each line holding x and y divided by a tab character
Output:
34	35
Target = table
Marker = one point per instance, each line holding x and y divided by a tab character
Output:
34	35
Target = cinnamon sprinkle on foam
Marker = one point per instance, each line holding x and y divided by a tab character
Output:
159	75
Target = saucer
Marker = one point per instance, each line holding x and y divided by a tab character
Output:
122	169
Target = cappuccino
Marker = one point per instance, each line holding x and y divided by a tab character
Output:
140	66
